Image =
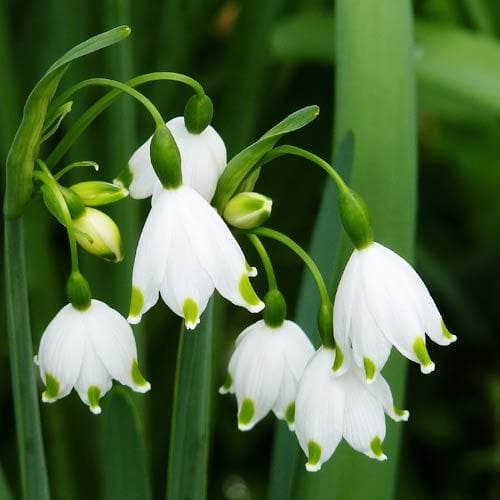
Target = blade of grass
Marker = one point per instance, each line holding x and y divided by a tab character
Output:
5	493
189	436
375	84
34	481
122	450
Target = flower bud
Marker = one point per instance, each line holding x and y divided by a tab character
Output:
165	158
198	113
97	193
99	235
248	210
78	291
355	218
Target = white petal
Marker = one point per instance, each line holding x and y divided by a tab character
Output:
186	286
364	423
61	352
343	311
144	179
94	381
203	157
218	251
319	410
114	343
151	257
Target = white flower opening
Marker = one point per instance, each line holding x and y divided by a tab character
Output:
264	371
380	302
329	407
86	350
184	252
203	159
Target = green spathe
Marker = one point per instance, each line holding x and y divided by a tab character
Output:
166	159
198	113
355	218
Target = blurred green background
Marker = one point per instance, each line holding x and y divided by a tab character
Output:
259	61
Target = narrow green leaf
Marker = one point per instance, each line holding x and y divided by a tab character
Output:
240	166
123	458
375	84
189	436
34	481
5	493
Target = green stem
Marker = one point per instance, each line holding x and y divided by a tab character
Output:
266	261
94	111
34	481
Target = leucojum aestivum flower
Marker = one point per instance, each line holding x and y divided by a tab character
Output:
201	206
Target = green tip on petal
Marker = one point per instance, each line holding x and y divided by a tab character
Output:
370	369
254	304
447	334
136	304
339	359
376	449
140	383
93	395
224	388
190	312
246	414
290	415
426	364
313	456
400	415
52	389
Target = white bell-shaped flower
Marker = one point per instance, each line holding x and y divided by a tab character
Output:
184	252
203	159
264	371
86	349
329	407
381	301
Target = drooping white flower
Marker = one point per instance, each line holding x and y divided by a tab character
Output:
264	371
381	301
184	252
86	349
329	407
203	158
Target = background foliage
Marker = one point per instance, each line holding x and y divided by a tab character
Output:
257	72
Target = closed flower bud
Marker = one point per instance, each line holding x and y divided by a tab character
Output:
98	234
97	193
198	113
248	210
355	219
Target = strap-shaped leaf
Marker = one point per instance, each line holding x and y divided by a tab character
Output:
241	165
24	149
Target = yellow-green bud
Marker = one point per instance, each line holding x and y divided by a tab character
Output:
198	113
78	291
355	218
166	159
248	210
98	234
275	310
97	193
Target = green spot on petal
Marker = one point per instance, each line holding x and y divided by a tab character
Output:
246	413
446	333
93	395
52	389
247	292
376	447
136	302
313	453
290	413
370	368
190	312
339	359
224	388
137	377
422	355
398	411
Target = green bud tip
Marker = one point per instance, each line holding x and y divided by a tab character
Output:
166	159
93	395
313	456
198	113
78	291
245	415
376	449
275	308
355	218
420	350
226	386
52	388
248	210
